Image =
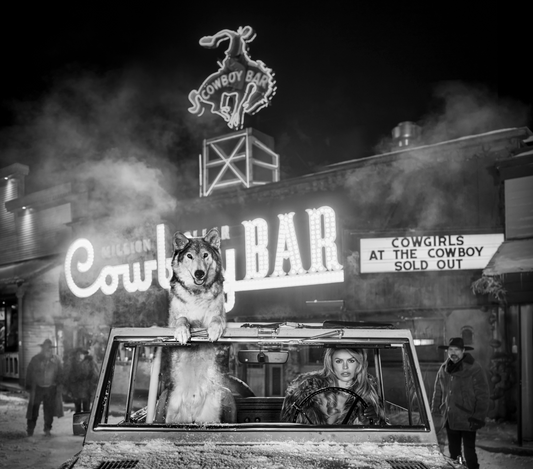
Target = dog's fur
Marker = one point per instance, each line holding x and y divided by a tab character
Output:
197	286
197	393
197	299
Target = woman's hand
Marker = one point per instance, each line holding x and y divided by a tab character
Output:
371	415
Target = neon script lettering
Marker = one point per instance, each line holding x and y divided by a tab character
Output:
287	270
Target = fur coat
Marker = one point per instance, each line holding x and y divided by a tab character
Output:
316	407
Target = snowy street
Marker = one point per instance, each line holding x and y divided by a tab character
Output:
17	451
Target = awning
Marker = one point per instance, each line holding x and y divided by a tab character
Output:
514	256
19	272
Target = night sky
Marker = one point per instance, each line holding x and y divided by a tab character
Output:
346	75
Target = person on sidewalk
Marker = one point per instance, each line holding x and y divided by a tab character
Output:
461	400
44	379
82	380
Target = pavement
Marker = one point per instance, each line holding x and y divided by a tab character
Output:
501	437
496	437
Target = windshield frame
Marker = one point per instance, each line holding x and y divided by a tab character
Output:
162	337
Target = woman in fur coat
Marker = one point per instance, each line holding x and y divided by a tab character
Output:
342	368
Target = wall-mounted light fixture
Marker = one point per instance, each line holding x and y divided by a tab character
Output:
326	303
424	342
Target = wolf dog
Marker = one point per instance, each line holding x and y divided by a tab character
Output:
197	394
197	286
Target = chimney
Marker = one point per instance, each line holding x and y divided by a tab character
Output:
405	134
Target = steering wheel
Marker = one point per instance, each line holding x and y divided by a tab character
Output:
301	405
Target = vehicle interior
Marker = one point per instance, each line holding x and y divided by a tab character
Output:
255	374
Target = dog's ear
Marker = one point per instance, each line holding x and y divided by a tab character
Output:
213	238
180	241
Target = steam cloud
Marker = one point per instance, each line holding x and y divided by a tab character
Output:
463	109
127	143
414	182
125	136
470	110
129	139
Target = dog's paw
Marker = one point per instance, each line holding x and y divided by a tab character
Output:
182	334
214	331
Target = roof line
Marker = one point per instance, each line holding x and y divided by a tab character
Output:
432	145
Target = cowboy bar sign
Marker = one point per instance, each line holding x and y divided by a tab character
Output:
425	253
262	243
240	86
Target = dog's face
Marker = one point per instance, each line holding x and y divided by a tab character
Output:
197	261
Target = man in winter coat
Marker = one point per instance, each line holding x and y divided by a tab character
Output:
82	381
461	400
43	381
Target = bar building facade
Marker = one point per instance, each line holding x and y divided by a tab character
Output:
412	237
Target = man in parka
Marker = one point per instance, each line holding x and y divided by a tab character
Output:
82	380
44	379
461	400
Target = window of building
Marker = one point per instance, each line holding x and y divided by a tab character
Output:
468	335
9	324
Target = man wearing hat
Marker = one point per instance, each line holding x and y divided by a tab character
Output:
82	378
461	400
43	381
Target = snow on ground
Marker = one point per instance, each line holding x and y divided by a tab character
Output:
17	451
489	460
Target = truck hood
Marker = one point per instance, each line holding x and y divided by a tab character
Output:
162	454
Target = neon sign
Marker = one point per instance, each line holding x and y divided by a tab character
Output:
324	268
240	86
126	248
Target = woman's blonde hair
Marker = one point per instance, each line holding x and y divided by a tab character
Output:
363	385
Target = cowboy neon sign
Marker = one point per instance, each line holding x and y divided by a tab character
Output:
240	86
324	267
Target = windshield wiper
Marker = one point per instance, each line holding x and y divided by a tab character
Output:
273	325
337	332
196	333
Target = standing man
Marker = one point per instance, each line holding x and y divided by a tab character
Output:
43	382
461	400
85	380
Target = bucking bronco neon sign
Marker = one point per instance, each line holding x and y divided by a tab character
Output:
240	86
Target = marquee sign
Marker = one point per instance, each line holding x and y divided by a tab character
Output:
425	253
288	269
240	86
